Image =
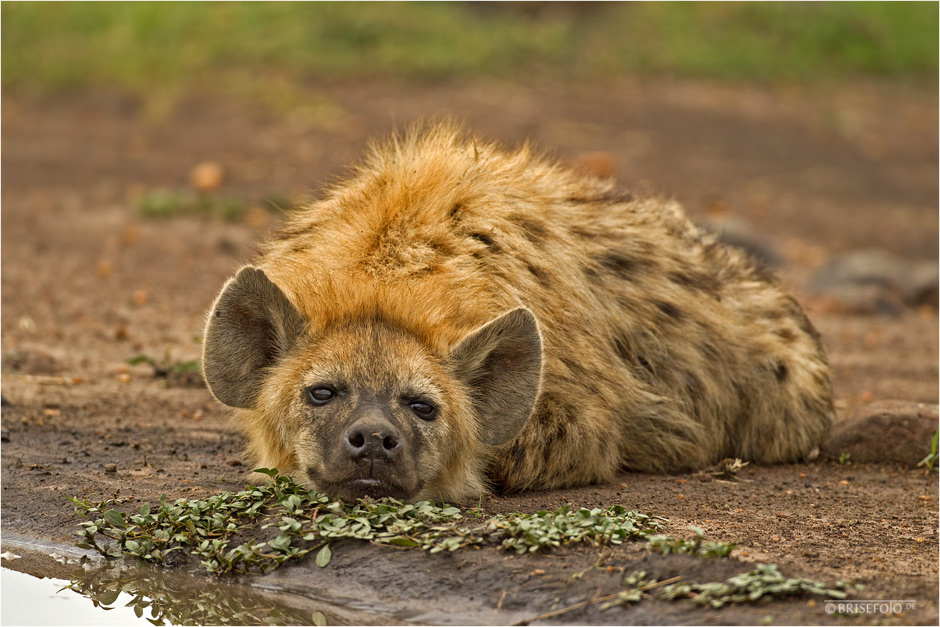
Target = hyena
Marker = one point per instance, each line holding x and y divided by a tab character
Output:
456	318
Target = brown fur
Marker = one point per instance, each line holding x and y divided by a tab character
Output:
661	349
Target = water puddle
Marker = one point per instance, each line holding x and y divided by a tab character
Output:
62	586
29	600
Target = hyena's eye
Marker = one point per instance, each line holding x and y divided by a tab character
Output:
320	395
423	410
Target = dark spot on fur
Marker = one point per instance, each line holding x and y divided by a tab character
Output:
621	263
540	274
821	380
551	418
805	325
622	347
455	210
543	416
517	455
535	232
570	363
711	352
693	386
482	238
298	246
583	231
558	437
786	335
743	416
486	240
610	197
669	309
761	272
430	269
696	280
290	230
781	372
441	247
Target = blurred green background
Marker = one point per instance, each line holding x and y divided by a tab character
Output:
269	49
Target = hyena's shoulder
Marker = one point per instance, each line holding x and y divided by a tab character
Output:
445	221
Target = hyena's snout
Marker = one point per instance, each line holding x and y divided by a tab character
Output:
373	439
372	455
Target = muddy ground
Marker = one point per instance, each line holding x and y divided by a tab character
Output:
89	283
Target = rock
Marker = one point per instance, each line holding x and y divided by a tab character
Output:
739	233
31	362
886	431
206	176
601	165
874	281
860	299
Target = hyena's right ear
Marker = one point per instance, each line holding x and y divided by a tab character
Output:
251	325
501	362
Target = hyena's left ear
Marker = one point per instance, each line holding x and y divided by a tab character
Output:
501	362
251	325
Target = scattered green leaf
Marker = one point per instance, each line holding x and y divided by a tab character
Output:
324	556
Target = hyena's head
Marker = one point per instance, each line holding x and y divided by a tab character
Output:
363	408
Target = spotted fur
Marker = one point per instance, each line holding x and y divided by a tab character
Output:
662	349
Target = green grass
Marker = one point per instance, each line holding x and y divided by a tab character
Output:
269	48
931	460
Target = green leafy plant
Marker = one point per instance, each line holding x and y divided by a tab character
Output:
303	521
258	529
845	458
761	584
698	546
165	366
177	373
931	460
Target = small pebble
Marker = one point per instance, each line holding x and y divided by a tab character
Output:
140	297
110	468
206	176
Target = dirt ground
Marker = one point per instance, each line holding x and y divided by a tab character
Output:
89	283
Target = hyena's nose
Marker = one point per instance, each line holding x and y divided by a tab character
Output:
372	439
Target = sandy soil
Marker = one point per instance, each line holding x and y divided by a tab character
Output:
88	283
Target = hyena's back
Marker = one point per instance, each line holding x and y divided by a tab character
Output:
662	349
